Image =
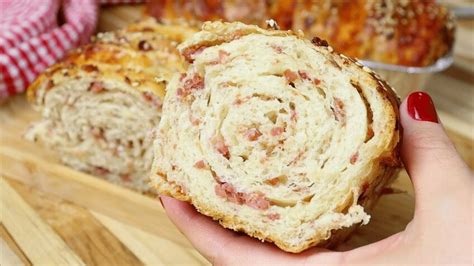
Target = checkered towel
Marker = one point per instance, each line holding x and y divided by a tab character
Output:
31	39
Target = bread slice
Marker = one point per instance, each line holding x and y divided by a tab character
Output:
101	103
276	136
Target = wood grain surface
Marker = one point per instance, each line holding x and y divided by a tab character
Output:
37	240
65	218
11	253
51	214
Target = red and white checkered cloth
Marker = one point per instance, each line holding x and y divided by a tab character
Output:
31	39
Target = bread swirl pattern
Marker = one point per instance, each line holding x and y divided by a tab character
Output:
275	136
100	104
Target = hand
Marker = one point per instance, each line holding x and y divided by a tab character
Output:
440	232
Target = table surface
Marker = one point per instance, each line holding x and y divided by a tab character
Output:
50	214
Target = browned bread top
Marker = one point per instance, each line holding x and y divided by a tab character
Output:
403	32
144	53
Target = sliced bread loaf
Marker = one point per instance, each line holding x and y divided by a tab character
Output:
101	102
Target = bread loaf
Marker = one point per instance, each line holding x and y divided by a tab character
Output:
276	136
100	104
402	32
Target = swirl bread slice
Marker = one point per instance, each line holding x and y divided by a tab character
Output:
99	103
276	136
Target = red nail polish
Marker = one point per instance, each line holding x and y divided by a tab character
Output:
420	107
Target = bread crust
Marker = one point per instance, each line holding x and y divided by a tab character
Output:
409	33
145	50
380	173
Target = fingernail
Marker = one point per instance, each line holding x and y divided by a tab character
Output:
420	107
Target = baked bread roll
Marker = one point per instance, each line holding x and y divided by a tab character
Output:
99	104
196	11
402	32
276	136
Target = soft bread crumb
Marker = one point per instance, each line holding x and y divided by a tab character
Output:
295	183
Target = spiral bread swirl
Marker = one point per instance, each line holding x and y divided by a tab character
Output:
274	135
99	104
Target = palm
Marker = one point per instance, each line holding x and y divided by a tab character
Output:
222	246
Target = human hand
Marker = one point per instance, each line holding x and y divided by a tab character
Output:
440	232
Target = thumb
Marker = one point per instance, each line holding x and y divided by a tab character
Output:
429	156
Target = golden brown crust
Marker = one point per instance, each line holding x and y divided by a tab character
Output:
144	54
411	33
173	32
402	32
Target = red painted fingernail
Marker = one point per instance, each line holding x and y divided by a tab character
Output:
420	107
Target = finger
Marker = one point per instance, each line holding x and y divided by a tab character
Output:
223	246
373	253
203	233
429	156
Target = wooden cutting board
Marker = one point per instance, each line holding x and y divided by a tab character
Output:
51	214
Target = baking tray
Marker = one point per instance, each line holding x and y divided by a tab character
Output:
405	79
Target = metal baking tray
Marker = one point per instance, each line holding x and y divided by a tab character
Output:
405	79
440	65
